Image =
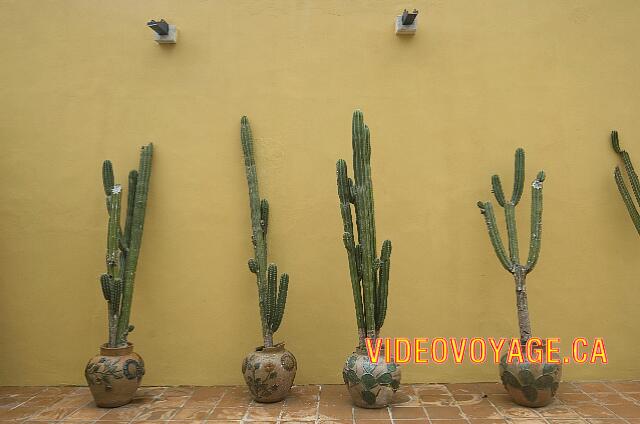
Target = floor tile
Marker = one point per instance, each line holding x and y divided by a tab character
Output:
625	386
593	387
590	410
369	414
157	414
484	410
558	412
404	413
443	412
87	414
227	413
626	410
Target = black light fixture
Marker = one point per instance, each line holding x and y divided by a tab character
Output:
406	23
161	27
408	18
165	33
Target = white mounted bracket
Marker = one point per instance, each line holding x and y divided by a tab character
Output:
170	38
409	28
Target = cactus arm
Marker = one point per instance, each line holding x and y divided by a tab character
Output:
107	177
137	225
264	217
344	194
282	300
131	198
253	265
106	288
615	142
486	209
113	236
626	159
626	197
272	281
105	283
536	221
518	180
512	232
356	284
369	191
345	185
383	286
496	188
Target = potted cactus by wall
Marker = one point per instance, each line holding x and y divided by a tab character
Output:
114	375
534	383
371	385
633	178
269	371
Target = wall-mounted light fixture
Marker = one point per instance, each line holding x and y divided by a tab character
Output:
165	33
406	23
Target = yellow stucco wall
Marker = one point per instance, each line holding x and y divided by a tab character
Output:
83	81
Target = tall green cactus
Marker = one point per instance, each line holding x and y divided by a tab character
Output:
369	274
123	245
271	299
512	262
633	179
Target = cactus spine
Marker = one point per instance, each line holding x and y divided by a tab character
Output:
633	179
271	298
123	245
512	262
369	273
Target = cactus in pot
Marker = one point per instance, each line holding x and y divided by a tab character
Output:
115	374
269	371
371	385
531	384
633	179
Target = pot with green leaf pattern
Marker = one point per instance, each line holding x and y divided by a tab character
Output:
371	385
269	372
114	375
532	384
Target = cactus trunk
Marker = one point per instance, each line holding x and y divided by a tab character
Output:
123	246
271	297
511	262
524	323
369	273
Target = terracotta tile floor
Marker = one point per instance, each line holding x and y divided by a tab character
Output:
608	402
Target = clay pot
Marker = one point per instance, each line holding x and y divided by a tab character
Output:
532	384
370	385
114	375
269	372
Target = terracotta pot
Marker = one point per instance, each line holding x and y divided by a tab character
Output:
532	384
114	375
269	372
370	385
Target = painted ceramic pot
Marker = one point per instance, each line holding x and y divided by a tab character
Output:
371	385
114	375
269	373
532	384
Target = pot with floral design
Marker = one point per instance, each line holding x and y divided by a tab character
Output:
269	373
371	385
114	375
533	384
